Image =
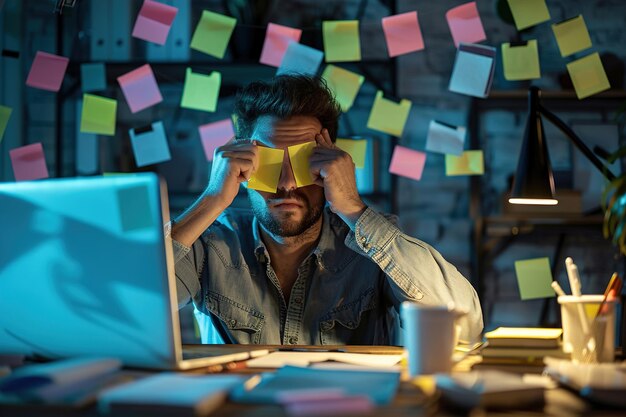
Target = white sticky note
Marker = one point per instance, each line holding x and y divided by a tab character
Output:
150	144
445	138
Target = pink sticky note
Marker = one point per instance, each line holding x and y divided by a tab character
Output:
407	162
277	39
465	24
29	162
140	88
154	21
47	71
214	135
403	34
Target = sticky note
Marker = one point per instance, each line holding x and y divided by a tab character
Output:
344	84
473	70
445	138
527	13
588	75
213	33
154	22
341	40
520	60
357	149
534	278
98	115
5	115
150	144
572	35
402	34
93	77
277	38
201	91
299	157
268	174
214	135
407	162
300	59
47	71
87	154
465	24
134	208
387	116
29	162
140	88
469	163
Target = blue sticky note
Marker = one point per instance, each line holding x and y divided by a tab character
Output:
87	154
473	70
300	59
134	206
93	77
150	144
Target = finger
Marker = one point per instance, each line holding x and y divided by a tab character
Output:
249	155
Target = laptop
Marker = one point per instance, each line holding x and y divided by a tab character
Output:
86	270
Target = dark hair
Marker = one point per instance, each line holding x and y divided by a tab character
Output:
286	96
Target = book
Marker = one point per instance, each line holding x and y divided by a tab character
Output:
535	337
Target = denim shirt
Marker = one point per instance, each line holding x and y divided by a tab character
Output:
348	290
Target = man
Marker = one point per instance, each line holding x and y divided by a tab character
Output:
293	271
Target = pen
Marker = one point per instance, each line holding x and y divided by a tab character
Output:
557	289
572	275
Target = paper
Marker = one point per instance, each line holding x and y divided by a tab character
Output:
47	71
387	116
407	162
29	162
277	39
98	115
534	278
444	138
214	135
201	91
5	115
473	70
150	144
213	33
527	13
300	59
134	206
403	34
572	35
154	22
299	157
280	359
469	163
140	88
93	77
344	84
357	149
341	40
521	60
588	76
465	24
268	174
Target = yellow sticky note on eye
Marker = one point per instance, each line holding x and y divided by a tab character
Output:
588	76
534	278
299	156
469	163
344	84
201	91
356	148
341	40
98	115
572	35
387	116
527	13
268	174
213	33
521	60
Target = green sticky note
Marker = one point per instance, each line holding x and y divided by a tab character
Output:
572	35
5	114
356	148
469	163
387	116
527	13
521	61
201	91
534	278
341	40
268	174
213	33
98	115
299	157
134	206
344	84
588	75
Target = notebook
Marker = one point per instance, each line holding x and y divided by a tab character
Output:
535	337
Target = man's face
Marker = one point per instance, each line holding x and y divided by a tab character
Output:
290	211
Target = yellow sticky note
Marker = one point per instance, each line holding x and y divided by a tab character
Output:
469	163
268	174
534	278
344	84
572	35
299	156
356	148
201	91
591	310
5	114
341	40
521	60
527	13
98	115
588	75
213	33
387	116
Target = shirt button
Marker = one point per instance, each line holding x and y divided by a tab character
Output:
297	300
293	340
327	326
419	295
232	322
